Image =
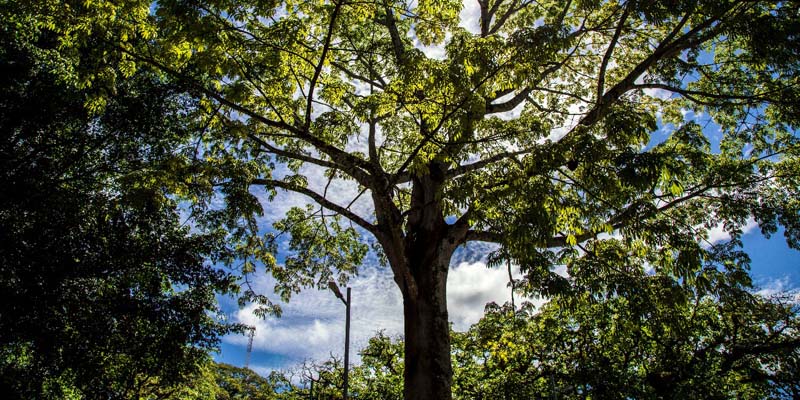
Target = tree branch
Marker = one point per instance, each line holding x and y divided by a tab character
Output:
483	236
463	169
397	41
666	48
693	94
318	68
354	75
319	199
268	148
514	8
508	105
607	57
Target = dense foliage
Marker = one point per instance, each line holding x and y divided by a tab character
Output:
664	342
572	133
103	291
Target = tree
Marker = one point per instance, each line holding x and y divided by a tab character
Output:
104	291
379	376
659	340
550	127
242	383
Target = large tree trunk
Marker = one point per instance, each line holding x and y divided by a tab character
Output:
419	249
428	371
428	246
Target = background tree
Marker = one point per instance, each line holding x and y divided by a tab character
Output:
659	340
241	383
379	376
596	141
105	293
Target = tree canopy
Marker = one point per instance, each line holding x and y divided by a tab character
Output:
572	133
104	291
659	341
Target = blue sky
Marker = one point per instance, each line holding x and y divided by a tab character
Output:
312	326
774	265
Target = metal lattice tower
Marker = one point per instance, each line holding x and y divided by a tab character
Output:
249	346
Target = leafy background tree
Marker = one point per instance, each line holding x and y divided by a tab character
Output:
105	292
664	342
657	340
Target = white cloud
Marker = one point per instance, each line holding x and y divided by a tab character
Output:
435	52
655	93
779	287
312	325
471	285
263	370
773	287
658	93
718	234
470	16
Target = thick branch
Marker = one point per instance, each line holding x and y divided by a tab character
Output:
397	41
485	15
318	68
607	57
483	236
508	105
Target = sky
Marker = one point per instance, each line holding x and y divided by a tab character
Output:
312	325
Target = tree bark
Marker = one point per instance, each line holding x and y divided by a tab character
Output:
428	370
428	245
419	245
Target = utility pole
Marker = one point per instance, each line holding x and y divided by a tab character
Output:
252	333
346	343
335	289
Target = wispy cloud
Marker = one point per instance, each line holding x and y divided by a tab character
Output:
312	325
777	287
718	233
